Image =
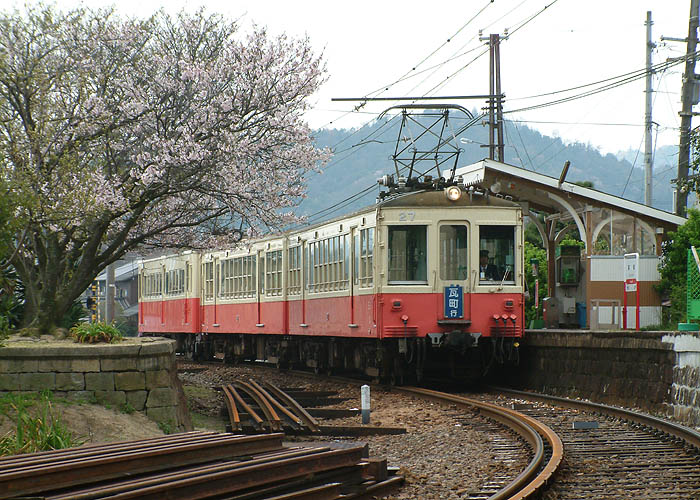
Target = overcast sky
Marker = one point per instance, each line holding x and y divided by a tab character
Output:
369	45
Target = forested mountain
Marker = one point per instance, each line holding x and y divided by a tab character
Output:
363	155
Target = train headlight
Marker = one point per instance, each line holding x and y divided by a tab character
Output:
453	193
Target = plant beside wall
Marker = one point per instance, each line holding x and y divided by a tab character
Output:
91	333
36	427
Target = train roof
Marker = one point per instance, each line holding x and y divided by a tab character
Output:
426	198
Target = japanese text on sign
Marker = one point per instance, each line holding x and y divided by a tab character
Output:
454	302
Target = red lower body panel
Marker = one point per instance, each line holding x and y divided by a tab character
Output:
169	316
363	316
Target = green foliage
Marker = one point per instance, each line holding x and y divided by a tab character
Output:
90	333
72	317
673	269
36	427
570	242
533	252
532	235
4	329
127	408
11	300
166	427
127	328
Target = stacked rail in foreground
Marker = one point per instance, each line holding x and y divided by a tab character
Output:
195	465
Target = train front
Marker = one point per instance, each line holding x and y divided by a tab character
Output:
451	295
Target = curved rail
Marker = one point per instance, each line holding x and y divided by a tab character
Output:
681	432
529	481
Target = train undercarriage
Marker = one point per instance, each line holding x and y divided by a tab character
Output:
399	361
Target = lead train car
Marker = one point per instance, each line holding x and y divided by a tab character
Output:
390	291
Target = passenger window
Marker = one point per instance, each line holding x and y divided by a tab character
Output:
408	255
453	253
497	254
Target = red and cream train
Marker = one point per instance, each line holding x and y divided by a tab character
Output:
390	291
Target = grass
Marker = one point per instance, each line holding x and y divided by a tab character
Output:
166	427
207	422
36	427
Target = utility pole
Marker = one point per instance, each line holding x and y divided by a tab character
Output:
687	111
648	167
109	293
496	141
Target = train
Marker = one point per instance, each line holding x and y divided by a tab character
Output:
427	279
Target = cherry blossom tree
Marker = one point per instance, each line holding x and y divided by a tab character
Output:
118	134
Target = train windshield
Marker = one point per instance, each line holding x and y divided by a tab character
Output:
453	252
408	255
497	254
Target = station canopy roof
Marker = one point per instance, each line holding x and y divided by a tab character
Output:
568	203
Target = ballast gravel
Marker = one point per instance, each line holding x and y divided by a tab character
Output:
441	455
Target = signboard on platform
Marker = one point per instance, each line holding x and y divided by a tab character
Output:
631	263
631	271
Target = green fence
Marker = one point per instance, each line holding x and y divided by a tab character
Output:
693	298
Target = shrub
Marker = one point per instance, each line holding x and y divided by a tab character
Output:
90	333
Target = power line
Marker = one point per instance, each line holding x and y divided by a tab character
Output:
628	78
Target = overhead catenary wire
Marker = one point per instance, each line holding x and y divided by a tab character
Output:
620	81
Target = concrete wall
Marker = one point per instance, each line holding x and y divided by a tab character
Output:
139	373
658	372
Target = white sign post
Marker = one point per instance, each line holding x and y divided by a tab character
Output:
364	403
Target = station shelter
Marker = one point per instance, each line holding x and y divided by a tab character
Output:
586	285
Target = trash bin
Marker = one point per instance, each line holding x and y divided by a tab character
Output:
581	314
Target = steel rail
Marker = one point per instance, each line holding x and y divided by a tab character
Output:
329	491
227	482
273	419
31	459
681	432
291	416
308	420
258	420
30	479
233	416
537	473
180	474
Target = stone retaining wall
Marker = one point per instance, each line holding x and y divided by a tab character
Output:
658	372
138	373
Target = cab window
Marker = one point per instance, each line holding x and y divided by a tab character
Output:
497	254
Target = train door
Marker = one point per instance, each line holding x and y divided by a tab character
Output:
353	274
217	274
453	272
260	287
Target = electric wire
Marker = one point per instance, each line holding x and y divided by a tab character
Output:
524	23
618	83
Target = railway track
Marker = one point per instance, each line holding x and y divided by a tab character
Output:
574	449
584	450
616	453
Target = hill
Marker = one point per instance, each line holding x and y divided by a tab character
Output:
363	155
